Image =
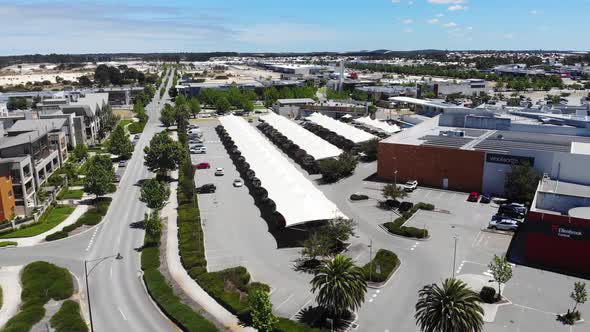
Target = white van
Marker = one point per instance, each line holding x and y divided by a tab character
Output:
198	150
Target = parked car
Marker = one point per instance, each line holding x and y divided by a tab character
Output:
206	188
485	198
219	171
136	137
195	141
358	197
198	150
410	185
473	196
122	163
117	178
195	145
192	126
238	183
512	211
202	166
503	224
521	208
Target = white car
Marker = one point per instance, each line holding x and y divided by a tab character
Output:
238	183
198	150
410	185
219	172
504	224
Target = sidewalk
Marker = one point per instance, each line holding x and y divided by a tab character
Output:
11	289
33	240
177	271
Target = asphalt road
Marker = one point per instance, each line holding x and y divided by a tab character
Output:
118	299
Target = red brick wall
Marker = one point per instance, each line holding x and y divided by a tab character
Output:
429	165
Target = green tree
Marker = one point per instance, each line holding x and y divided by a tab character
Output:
119	144
501	272
222	105
369	148
168	116
450	308
247	105
316	245
163	154
394	192
80	152
521	183
153	225
195	106
139	111
99	181
341	286
261	311
182	113
579	295
154	193
334	169
270	96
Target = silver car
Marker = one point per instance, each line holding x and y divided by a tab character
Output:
504	224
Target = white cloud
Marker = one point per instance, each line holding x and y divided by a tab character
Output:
446	2
434	21
508	36
535	12
408	30
457	7
450	25
408	21
469	28
395	1
440	15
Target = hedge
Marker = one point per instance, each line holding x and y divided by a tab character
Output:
386	260
8	244
91	217
68	318
41	281
396	227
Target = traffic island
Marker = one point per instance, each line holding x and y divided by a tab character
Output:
381	268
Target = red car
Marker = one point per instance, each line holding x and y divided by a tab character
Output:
473	197
202	166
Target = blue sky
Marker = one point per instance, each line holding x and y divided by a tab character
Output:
296	26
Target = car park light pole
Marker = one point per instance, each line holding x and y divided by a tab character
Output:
455	237
86	274
370	258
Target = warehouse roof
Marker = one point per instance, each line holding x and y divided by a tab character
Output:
296	198
345	130
311	143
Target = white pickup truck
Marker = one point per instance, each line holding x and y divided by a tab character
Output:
410	185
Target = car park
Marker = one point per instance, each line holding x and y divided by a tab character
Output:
206	188
238	183
473	196
219	171
202	166
410	185
503	224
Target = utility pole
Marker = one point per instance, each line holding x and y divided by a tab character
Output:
455	253
88	295
370	259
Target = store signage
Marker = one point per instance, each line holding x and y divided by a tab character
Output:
509	160
567	232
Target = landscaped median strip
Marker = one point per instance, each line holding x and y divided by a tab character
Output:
397	226
378	271
92	217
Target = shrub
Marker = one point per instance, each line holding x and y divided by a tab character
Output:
56	236
488	294
386	260
68	318
396	227
258	286
136	127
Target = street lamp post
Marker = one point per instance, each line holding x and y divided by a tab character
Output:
370	259
455	253
86	274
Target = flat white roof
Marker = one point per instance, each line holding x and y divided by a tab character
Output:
311	143
297	199
345	130
384	126
420	102
580	148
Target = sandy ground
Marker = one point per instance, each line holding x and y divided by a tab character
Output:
24	78
11	289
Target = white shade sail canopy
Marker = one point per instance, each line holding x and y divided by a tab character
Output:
345	130
306	140
296	198
385	127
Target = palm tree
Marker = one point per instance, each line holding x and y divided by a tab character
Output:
341	286
450	308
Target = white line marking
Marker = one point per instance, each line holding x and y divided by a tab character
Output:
303	306
122	314
288	298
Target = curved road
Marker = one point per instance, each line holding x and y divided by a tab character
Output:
118	298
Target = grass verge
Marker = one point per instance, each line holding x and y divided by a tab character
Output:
91	217
71	194
50	218
68	318
382	266
41	281
397	226
8	244
136	127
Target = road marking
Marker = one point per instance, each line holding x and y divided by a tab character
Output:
534	309
288	298
111	272
122	314
303	306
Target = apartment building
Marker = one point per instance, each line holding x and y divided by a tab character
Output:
7	201
18	198
89	112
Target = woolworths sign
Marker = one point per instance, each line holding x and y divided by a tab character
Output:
509	160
